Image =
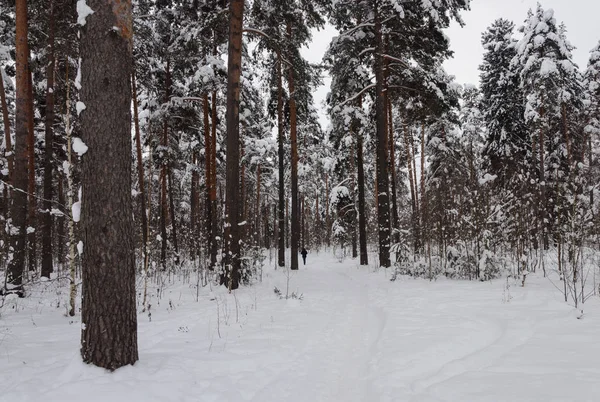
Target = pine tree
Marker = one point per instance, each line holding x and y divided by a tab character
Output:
108	259
503	102
551	81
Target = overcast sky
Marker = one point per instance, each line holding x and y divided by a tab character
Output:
580	16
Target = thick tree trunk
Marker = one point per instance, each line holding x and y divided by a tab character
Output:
109	319
140	165
18	208
295	224
281	203
383	210
47	263
234	70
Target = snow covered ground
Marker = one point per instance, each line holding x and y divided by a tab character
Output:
353	336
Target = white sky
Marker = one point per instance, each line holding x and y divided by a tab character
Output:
580	17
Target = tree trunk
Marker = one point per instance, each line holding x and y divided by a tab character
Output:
362	219
164	177
281	204
173	216
47	263
31	214
234	64
295	224
424	237
6	119
109	317
140	165
354	236
60	230
258	209
392	165
383	210
213	185
209	229
18	208
327	219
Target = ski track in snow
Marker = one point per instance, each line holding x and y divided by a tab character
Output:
354	336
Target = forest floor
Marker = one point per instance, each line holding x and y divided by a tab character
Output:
352	336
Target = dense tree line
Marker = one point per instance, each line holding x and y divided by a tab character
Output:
129	118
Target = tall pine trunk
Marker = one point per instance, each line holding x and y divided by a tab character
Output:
234	70
383	209
295	224
281	202
109	317
213	185
31	199
18	206
362	219
47	263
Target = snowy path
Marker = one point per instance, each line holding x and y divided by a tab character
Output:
354	336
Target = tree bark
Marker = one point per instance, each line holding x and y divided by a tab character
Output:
208	178
47	263
295	224
213	185
392	165
232	195
362	219
18	207
31	200
281	204
109	319
383	210
164	177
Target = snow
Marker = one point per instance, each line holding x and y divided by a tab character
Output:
78	77
83	11
76	209
79	146
80	247
353	336
80	107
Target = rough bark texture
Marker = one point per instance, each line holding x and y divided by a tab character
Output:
281	202
232	195
294	173
109	323
18	207
383	209
47	263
